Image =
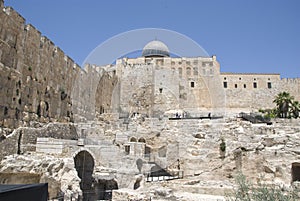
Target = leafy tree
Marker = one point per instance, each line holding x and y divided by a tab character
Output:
283	103
295	109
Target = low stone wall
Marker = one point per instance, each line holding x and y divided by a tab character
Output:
25	139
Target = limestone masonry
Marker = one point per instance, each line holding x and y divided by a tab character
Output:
146	128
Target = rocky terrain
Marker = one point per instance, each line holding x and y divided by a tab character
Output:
264	153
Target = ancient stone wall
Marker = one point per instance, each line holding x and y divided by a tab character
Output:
104	93
291	85
36	76
256	91
38	80
163	84
24	139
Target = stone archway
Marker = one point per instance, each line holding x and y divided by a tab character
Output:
84	164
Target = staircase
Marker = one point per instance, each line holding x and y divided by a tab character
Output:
253	118
158	173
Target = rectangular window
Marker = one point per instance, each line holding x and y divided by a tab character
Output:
192	84
127	149
254	85
225	84
235	86
269	85
245	86
160	90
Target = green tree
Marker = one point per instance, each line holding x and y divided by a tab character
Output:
283	103
295	109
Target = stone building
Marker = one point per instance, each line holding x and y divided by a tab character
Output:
192	85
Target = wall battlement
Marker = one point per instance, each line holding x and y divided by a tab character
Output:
291	80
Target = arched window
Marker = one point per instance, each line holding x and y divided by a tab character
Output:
133	139
142	140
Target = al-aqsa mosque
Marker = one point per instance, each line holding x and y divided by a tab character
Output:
194	85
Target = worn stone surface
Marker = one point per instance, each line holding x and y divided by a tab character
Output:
264	153
59	173
25	138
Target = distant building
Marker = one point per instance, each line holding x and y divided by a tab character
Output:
156	83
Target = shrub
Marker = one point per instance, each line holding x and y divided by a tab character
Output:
245	191
223	145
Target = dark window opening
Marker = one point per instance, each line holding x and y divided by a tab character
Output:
225	84
192	84
142	140
254	85
240	78
295	172
269	85
245	86
17	113
101	109
147	152
5	110
224	78
127	149
133	139
160	90
235	86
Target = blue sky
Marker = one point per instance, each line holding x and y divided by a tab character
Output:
260	36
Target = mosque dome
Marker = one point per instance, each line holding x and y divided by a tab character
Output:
155	48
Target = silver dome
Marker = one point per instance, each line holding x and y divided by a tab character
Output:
155	48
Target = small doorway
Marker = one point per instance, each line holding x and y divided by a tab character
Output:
295	172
